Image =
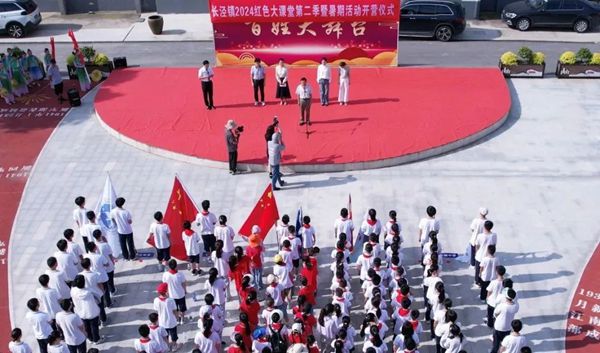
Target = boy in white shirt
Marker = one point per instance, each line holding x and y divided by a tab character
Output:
177	288
161	235
428	224
122	220
476	228
72	247
80	218
72	327
365	262
504	313
226	234
493	291
92	283
145	343
207	221
282	229
191	241
344	225
167	314
481	243
48	297
57	279
67	263
100	264
391	231
295	246
487	270
89	228
515	341
308	234
105	249
158	333
40	321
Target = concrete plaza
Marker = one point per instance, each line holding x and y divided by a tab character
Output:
538	174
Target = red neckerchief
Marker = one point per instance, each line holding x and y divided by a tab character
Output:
371	223
276	326
340	250
414	324
340	299
274	285
344	219
379	325
306	226
394	267
188	232
204	213
400	297
153	326
392	221
403	312
172	271
144	340
162	298
366	256
286	249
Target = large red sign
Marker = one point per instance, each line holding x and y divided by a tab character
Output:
235	11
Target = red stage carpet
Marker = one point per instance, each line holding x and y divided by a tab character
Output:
395	115
24	129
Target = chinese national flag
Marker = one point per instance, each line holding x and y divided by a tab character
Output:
180	208
264	214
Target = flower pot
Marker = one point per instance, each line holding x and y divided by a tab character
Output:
577	71
156	23
522	70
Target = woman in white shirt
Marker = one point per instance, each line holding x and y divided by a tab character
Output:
283	89
375	342
216	286
344	83
452	342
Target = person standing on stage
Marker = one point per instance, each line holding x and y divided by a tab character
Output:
344	83
276	146
257	74
304	94
205	75
271	129
323	78
232	138
283	89
56	80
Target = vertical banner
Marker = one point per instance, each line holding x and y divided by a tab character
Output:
359	32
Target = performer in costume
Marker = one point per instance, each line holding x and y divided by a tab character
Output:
82	75
7	89
25	67
34	66
47	58
19	83
283	88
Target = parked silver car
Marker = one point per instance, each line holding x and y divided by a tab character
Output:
19	17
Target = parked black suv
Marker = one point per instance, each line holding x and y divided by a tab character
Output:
441	19
581	15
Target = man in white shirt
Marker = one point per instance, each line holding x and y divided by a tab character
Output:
100	264
205	75
476	228
344	225
161	234
428	224
72	328
304	94
105	249
48	297
89	228
226	234
93	284
488	270
167	314
282	229
504	313
206	221
515	341
72	247
176	283
87	308
257	74
122	219
482	242
67	263
323	78
40	321
79	217
57	279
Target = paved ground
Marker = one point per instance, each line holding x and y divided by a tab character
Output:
538	175
130	27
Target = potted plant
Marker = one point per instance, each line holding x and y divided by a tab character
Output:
525	63
93	61
88	53
156	23
583	64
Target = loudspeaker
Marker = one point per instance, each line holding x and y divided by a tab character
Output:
74	99
120	62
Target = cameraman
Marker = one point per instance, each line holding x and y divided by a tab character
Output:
271	129
232	138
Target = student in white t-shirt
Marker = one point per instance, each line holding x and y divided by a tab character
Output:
308	234
56	344
177	288
371	225
89	228
57	279
158	333
92	283
160	234
191	241
214	311
344	225
226	234
476	229
122	220
365	262
72	247
428	224
481	243
67	262
504	313
282	229
80	218
100	264
487	270
452	340
105	249
207	221
144	343
72	327
16	345
48	297
167	314
515	341
40	322
86	307
391	231
494	290
215	284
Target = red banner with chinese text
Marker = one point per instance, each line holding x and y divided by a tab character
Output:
236	11
305	43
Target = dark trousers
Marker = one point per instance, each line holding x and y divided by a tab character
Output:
477	270
43	343
102	310
305	110
82	348
483	291
92	328
172	333
438	346
490	316
472	255
58	89
209	242
106	295
259	85
85	243
127	246
207	92
233	161
498	337
111	281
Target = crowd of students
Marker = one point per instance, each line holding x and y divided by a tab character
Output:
286	307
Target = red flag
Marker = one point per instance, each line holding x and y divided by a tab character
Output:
53	48
75	44
264	214
180	208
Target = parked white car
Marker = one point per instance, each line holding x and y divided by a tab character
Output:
19	17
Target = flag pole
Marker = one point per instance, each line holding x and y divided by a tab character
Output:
184	189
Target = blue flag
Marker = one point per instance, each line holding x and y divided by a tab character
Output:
299	217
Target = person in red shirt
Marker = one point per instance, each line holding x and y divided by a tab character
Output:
312	345
310	272
307	318
254	252
243	260
244	328
246	287
251	307
308	290
300	301
296	336
235	272
238	346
